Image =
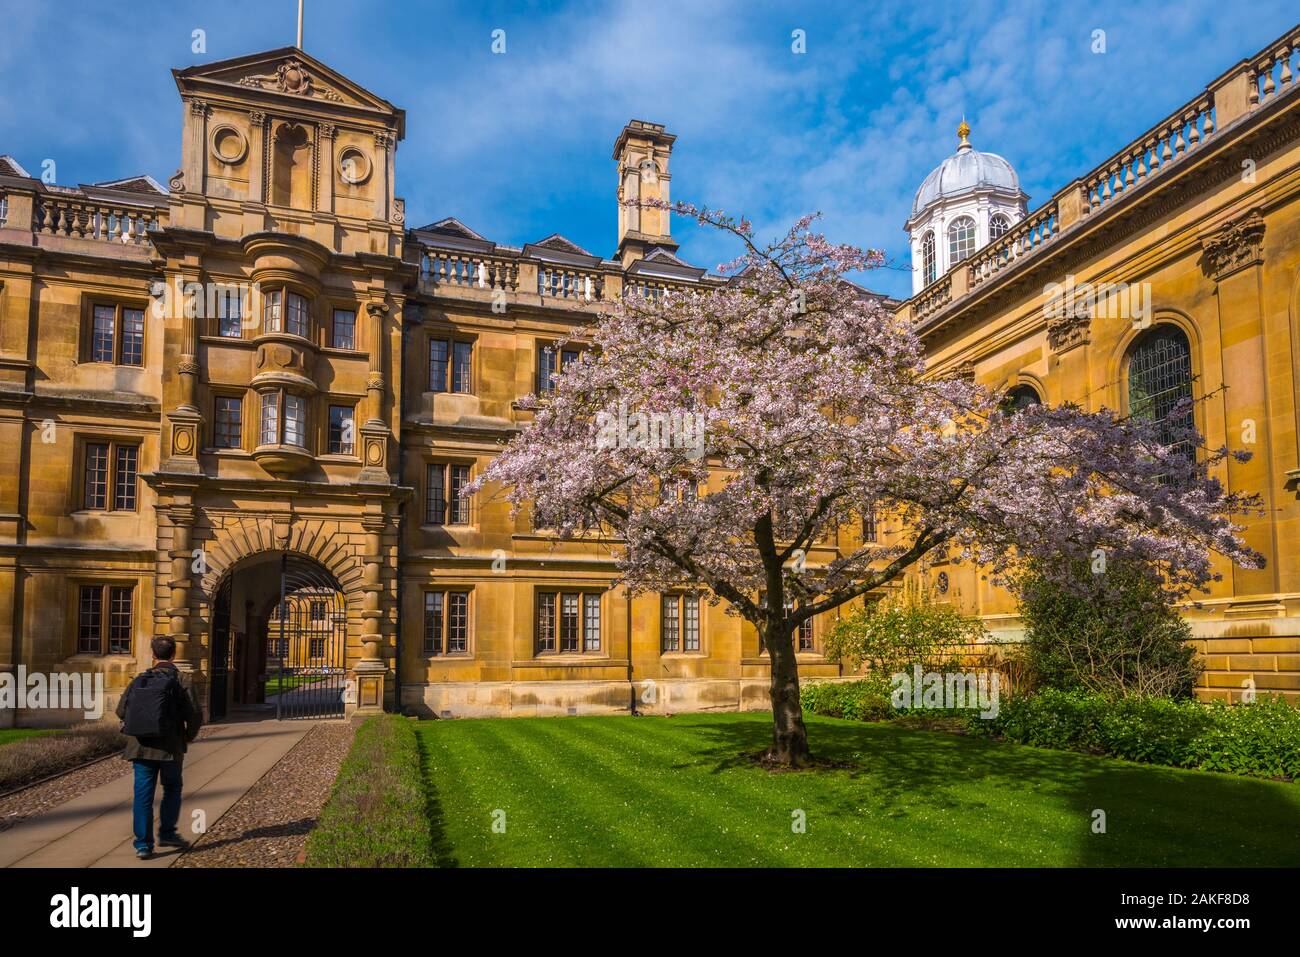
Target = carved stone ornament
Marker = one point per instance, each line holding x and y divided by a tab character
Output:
1234	247
1069	329
177	183
399	211
291	77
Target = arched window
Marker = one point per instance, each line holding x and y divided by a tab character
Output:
998	227
929	265
1022	396
1159	376
961	239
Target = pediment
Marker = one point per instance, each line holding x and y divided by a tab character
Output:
287	72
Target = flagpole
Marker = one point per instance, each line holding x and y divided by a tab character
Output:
299	24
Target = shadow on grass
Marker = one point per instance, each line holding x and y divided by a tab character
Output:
1153	815
444	855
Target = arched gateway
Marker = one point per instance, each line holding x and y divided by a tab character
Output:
279	638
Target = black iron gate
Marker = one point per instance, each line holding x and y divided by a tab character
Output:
306	671
222	651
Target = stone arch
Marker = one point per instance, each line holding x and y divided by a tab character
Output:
242	537
1117	362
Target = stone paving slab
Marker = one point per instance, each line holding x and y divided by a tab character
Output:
94	830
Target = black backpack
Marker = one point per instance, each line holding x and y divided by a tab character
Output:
153	705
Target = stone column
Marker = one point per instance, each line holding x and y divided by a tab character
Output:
178	606
185	418
371	670
325	170
1233	259
375	432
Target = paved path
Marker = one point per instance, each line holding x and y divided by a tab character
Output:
94	830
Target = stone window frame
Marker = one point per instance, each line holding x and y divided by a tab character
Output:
677	599
85	346
957	242
336	306
329	403
114	441
447	464
451	339
233	392
107	584
542	346
445	621
584	595
283	395
284	291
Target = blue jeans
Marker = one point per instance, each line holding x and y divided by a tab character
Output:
146	782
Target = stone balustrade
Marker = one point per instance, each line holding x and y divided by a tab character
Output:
82	218
1160	147
1273	72
564	282
932	298
1026	237
448	268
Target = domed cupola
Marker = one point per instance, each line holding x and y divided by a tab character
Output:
967	202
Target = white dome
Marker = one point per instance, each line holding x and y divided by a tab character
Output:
965	171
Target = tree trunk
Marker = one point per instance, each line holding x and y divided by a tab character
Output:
789	736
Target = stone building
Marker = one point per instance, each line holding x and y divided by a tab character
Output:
258	388
1171	269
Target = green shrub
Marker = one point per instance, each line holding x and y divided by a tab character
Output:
904	629
1116	634
866	700
1260	739
376	814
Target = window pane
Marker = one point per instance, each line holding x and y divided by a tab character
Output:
345	327
669	640
591	622
545	369
90	618
568	623
132	337
230	311
295	420
546	621
270	418
96	494
341	429
961	239
806	635
457	622
438	365
271	311
928	260
298	324
459	506
125	472
433	622
460	367
869	525
228	424
102	335
691	622
119	621
435	502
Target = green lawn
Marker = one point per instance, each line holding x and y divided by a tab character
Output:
623	791
9	735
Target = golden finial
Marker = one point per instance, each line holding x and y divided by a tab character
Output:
963	132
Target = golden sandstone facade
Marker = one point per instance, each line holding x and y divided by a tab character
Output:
259	375
176	460
1199	220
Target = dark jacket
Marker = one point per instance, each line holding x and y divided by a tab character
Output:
173	746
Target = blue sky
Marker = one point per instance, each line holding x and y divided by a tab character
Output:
517	145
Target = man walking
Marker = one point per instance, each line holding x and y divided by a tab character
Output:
160	717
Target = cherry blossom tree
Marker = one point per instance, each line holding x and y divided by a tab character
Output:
732	437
